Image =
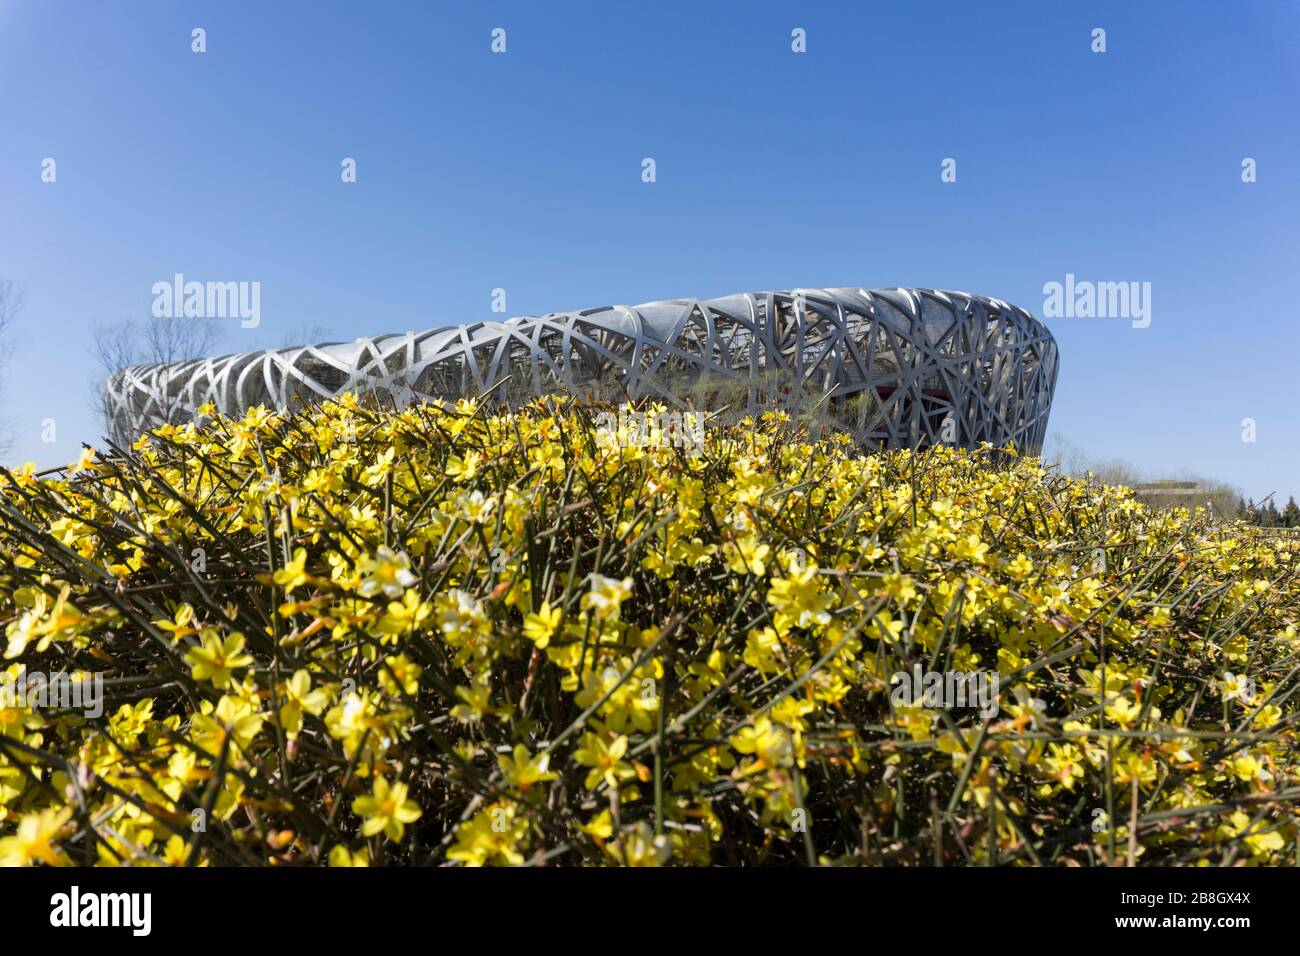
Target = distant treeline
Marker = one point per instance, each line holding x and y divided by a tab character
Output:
1268	515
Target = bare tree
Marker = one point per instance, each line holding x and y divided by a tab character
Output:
11	303
11	300
1160	490
301	335
151	341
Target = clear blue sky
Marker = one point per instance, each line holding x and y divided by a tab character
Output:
775	170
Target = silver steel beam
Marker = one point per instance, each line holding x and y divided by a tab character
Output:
915	366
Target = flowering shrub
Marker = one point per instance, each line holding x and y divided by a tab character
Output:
443	636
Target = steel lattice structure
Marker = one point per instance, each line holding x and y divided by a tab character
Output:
933	366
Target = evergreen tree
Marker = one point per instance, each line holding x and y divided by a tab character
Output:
1291	514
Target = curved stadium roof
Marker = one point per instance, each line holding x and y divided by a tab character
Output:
933	366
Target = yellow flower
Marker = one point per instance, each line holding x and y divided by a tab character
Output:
421	541
768	742
476	508
343	857
490	836
232	716
176	852
745	554
1261	840
763	651
386	810
638	846
605	760
1020	567
405	616
969	548
884	627
475	706
463	468
214	659
298	699
900	587
400	675
389	573
62	621
180	624
293	575
600	827
1238	687
34	841
606	596
522	770
1122	710
800	598
85	461
539	627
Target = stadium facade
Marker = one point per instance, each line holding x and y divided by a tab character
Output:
905	367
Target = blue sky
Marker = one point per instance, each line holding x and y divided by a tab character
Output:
774	170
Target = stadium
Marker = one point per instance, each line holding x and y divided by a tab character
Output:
901	367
